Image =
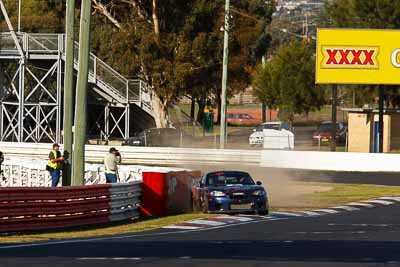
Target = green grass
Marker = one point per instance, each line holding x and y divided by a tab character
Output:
337	194
340	194
345	193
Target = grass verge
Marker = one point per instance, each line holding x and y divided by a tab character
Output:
337	194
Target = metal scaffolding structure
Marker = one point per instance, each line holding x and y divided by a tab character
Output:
31	67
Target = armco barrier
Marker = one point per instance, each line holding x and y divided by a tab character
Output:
34	208
160	156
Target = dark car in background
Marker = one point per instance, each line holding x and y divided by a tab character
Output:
156	137
323	134
229	192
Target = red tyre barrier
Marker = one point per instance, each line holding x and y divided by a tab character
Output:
24	208
167	193
154	194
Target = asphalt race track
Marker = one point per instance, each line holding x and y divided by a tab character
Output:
367	237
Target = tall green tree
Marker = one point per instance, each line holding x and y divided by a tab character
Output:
287	81
263	86
177	45
36	16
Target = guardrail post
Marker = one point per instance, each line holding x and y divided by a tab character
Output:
127	121
95	69
140	92
127	90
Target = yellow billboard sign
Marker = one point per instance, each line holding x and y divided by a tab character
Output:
347	56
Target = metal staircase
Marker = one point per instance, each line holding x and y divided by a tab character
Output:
48	49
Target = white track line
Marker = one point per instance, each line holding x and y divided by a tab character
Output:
310	213
383	202
285	214
238	218
206	222
95	258
348	208
327	211
182	227
391	198
367	205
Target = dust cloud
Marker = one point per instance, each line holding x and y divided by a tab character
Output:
284	187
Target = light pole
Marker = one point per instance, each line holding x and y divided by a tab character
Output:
222	135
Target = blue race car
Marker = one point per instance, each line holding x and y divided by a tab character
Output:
229	192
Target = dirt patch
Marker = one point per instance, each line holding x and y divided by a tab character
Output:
284	189
293	194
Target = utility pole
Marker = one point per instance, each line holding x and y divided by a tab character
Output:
222	135
68	90
78	167
263	105
334	123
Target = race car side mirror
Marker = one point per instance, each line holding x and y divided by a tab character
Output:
259	183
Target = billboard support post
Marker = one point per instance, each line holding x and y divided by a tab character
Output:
334	115
381	106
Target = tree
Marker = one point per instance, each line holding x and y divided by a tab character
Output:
177	45
263	87
36	16
377	14
287	82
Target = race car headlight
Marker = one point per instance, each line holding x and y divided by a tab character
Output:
259	193
217	194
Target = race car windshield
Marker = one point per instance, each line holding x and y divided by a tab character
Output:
229	178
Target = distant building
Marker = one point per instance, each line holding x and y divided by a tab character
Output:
244	98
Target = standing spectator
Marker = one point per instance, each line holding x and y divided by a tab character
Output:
55	164
111	165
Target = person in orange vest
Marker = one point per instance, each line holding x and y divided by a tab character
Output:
55	164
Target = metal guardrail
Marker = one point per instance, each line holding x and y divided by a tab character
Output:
125	200
161	156
34	208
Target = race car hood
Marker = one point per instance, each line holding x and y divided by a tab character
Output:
236	188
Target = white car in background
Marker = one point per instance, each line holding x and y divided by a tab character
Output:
274	135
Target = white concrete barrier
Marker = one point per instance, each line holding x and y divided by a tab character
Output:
331	161
158	156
